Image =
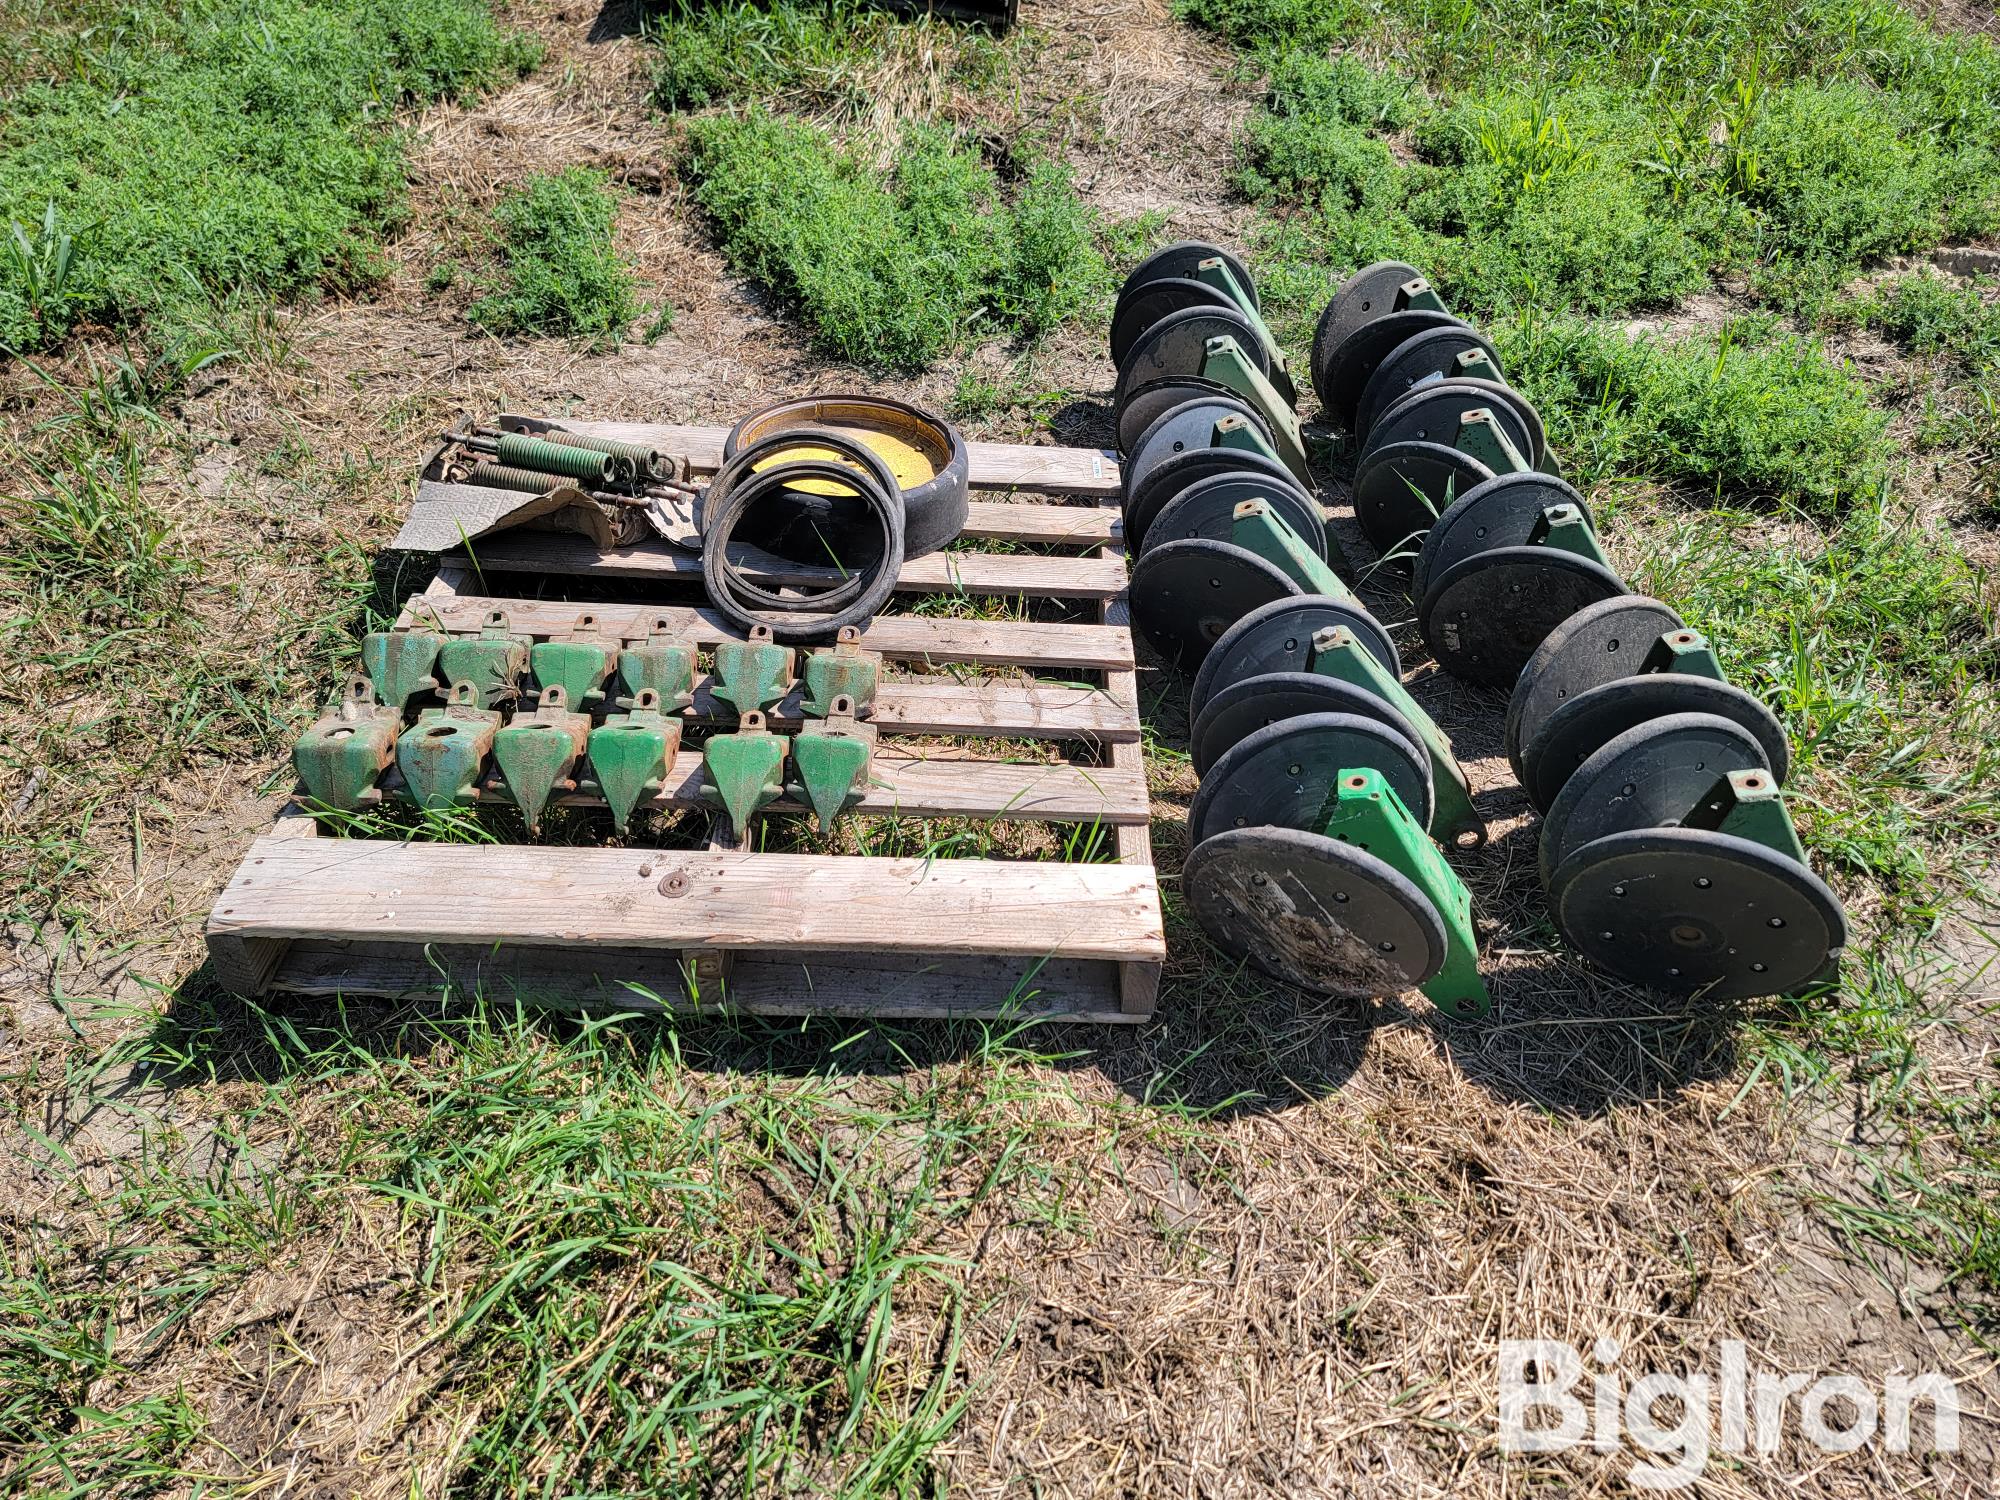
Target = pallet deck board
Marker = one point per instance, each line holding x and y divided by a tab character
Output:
993	466
915	638
973	573
981	707
673	900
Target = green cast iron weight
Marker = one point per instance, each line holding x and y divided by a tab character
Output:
1189	425
1183	258
1278	638
1502	512
1239	709
1601	644
1689	910
1485	615
1139	407
1207	508
1351	360
1178	345
1143	306
1575	731
1400	489
1368	294
1185	595
1651	776
1314	912
1285	774
1175	474
1432	413
1432	352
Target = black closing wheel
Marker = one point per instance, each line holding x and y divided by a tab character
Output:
1326	916
1354	357
1175	474
1501	512
1368	294
1484	616
1601	644
1139	407
1187	426
1237	710
1575	730
1178	345
1144	306
1688	911
1651	776
1185	595
1208	509
1285	774
1182	259
1436	351
1432	414
1279	637
1400	490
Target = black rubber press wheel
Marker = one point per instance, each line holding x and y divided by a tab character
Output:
1278	638
1326	916
1601	644
1436	351
1691	911
1484	617
1285	774
1207	509
1186	595
1238	710
1401	489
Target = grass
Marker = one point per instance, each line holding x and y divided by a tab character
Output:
894	270
563	273
188	151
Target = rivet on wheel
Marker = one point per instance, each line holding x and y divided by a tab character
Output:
1702	882
1386	947
1775	922
1756	968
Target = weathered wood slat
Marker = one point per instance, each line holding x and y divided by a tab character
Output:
369	890
904	637
979	708
949	787
984	573
609	979
994	466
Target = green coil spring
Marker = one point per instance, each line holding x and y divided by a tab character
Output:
523	452
635	460
501	477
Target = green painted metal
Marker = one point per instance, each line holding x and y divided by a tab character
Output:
440	755
831	757
1418	293
400	663
1454	819
1481	436
1749	805
661	665
1472	364
1683	651
752	675
631	754
535	752
519	450
579	668
1224	362
1564	526
744	771
1215	272
842	670
1257	528
342	755
491	663
1366	812
1245	436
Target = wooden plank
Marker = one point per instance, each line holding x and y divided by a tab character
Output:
990	706
994	466
1138	983
903	637
1053	792
614	979
978	573
371	890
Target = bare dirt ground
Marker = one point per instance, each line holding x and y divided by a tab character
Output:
1297	1292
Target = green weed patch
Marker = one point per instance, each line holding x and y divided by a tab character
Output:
893	270
229	147
564	275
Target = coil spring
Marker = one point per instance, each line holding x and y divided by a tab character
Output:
635	460
523	452
506	477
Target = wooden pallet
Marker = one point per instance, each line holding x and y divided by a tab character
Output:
781	934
